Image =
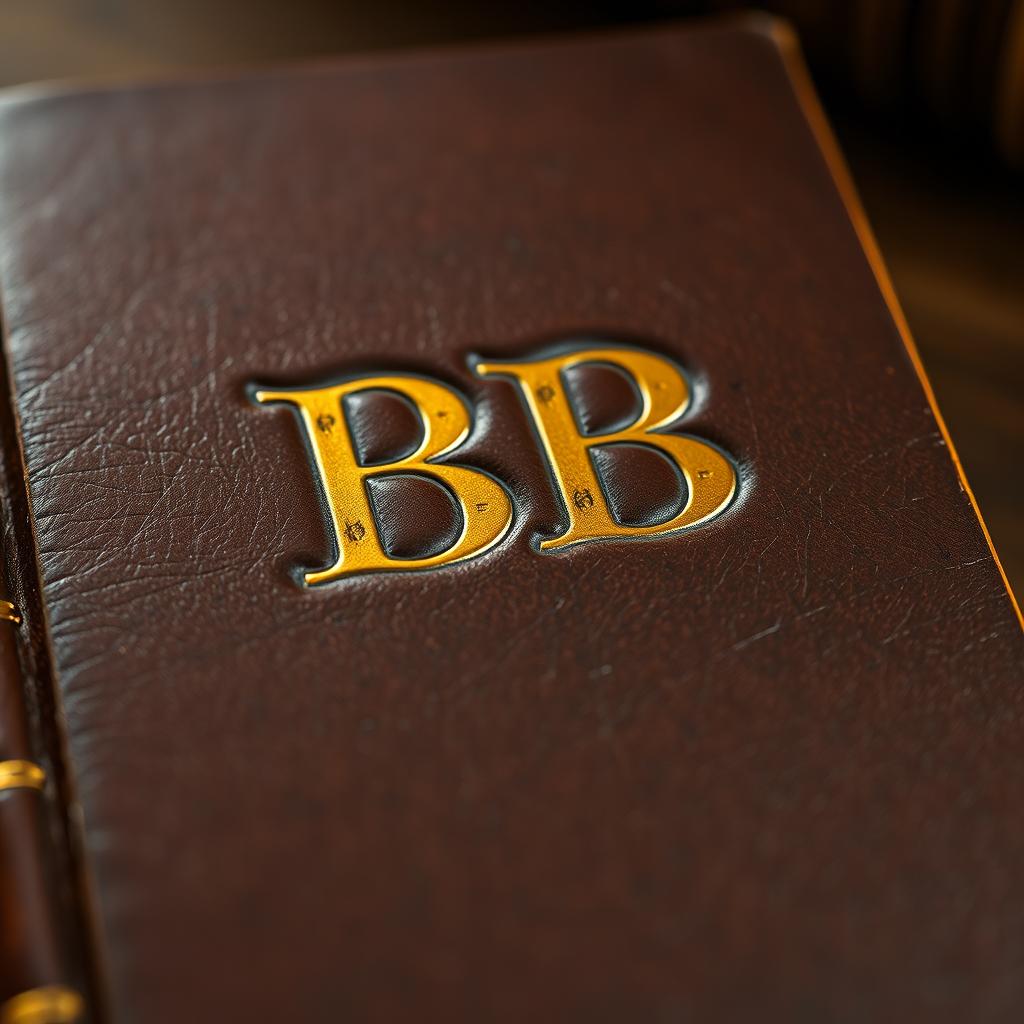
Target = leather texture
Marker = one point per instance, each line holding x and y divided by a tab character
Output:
768	769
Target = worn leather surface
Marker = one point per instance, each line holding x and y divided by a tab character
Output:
768	768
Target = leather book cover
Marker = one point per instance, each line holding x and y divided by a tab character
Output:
479	547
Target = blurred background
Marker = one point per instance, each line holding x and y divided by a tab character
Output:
927	97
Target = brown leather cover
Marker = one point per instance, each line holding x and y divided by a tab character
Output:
768	769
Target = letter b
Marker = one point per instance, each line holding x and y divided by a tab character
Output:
485	507
710	477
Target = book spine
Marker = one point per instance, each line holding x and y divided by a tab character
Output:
43	968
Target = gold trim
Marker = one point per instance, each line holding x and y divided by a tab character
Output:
9	612
21	775
803	88
53	1004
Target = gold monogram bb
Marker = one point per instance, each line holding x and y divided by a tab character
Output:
483	504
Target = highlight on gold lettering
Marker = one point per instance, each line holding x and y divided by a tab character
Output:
664	397
481	501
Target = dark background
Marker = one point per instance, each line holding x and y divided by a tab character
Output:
927	98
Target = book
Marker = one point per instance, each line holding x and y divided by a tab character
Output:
480	546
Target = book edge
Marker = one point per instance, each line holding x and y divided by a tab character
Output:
788	44
29	93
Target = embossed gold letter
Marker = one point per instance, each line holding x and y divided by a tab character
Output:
485	507
710	477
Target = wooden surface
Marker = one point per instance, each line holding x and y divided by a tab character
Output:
951	229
